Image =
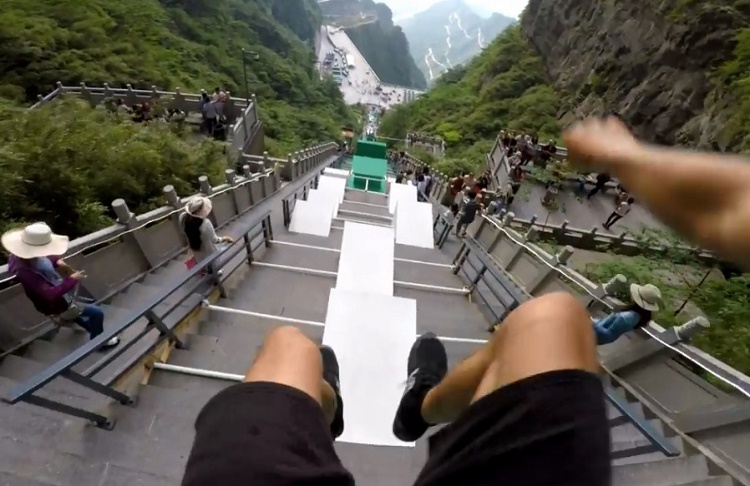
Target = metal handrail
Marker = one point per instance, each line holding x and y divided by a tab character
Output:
63	367
119	235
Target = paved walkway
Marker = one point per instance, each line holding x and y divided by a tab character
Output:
580	212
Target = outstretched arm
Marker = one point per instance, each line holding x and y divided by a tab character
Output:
704	196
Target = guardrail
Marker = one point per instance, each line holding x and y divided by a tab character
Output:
500	295
117	256
64	367
242	114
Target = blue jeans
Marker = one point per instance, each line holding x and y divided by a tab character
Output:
91	319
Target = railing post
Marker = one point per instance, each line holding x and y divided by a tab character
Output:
158	323
548	273
691	328
229	176
98	387
128	219
611	287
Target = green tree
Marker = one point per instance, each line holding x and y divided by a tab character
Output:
66	162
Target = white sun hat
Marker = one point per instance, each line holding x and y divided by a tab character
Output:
34	241
647	297
199	206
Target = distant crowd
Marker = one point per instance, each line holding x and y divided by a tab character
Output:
212	107
524	148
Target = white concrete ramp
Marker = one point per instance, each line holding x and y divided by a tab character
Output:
340	173
366	260
397	192
372	335
412	223
312	217
333	184
325	197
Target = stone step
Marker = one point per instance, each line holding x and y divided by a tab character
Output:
380	210
169	274
185	404
20	369
279	292
450	315
296	256
667	472
333	240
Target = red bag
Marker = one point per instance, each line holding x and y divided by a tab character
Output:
190	263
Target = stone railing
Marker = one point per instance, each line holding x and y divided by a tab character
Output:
242	115
658	363
121	254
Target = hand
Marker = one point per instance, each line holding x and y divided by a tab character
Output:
598	142
79	275
228	239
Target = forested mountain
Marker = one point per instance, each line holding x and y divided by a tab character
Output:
191	44
448	34
381	42
65	163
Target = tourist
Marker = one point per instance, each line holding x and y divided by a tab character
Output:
601	181
468	214
548	151
428	180
199	230
457	185
421	186
620	212
526	408
36	261
645	301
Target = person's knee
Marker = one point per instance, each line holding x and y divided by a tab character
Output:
556	312
291	339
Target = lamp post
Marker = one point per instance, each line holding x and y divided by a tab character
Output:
254	57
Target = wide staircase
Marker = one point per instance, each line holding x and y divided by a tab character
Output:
189	336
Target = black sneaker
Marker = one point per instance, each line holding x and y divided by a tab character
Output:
428	364
331	376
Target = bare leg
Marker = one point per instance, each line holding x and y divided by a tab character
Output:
290	358
549	333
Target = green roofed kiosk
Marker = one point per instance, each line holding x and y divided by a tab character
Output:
369	167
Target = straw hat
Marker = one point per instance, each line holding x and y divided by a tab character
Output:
34	241
199	206
646	297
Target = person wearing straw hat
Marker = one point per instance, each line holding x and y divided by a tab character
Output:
36	262
645	301
199	230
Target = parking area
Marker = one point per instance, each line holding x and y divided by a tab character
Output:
340	58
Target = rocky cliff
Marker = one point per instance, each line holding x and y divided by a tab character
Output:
385	47
672	68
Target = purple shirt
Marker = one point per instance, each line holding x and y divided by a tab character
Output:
48	298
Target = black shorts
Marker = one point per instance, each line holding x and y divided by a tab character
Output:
550	429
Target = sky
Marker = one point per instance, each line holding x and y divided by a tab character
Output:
402	8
